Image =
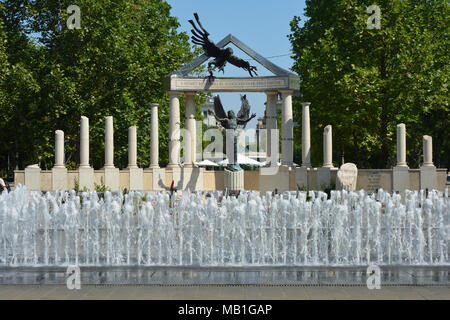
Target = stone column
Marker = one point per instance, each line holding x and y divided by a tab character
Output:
132	147
306	136
136	174
154	137
85	171
324	173
427	151
327	147
109	142
174	131
84	143
190	139
400	173
111	173
271	125
401	145
428	174
59	171
59	149
288	129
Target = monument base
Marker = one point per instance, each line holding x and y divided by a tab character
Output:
188	178
234	180
400	179
33	178
86	178
112	178
136	178
428	177
59	178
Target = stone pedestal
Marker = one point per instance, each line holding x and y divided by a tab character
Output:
112	178
428	177
400	179
33	177
234	180
274	178
158	178
59	178
86	178
301	177
136	178
323	177
188	178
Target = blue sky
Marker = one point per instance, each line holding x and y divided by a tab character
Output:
262	25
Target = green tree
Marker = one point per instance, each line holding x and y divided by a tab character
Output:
365	81
113	66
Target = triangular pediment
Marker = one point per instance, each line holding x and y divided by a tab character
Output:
276	70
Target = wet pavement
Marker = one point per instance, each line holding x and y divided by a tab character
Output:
229	276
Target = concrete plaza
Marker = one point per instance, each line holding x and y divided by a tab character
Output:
226	283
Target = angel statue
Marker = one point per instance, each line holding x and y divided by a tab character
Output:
222	56
231	122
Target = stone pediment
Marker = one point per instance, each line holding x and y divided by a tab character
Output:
276	70
282	79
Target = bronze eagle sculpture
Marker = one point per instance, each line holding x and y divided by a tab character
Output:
221	55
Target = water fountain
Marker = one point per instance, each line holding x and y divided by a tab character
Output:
293	229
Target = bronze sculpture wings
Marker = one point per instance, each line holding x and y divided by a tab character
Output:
222	56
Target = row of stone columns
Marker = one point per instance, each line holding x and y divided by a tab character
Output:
401	148
401	170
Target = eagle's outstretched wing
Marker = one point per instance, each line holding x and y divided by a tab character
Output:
244	112
200	37
218	108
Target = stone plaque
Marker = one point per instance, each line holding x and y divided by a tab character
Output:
374	180
256	84
346	177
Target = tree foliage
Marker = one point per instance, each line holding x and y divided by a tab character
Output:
113	66
366	81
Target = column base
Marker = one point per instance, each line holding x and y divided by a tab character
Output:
86	178
33	178
158	180
324	177
188	178
111	178
400	179
136	178
59	178
274	178
301	178
428	177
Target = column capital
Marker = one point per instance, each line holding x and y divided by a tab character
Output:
173	93
156	105
286	91
190	93
271	93
306	104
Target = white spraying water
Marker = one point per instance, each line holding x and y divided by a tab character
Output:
350	228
